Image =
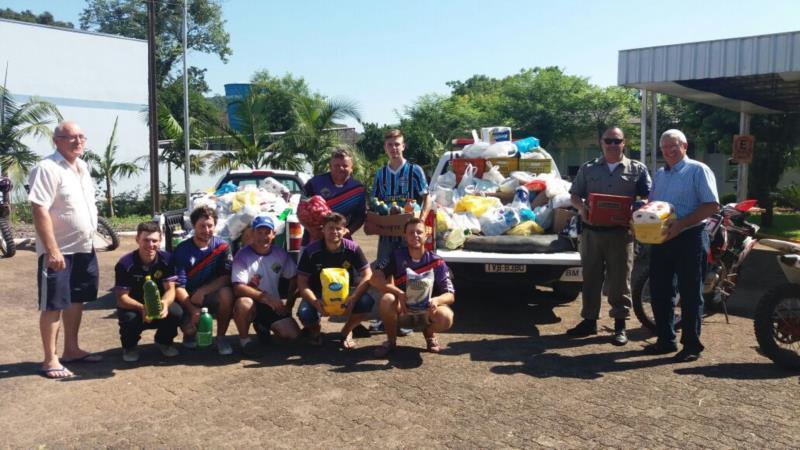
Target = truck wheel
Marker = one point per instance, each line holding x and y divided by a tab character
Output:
566	291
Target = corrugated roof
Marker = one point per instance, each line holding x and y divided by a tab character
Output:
749	74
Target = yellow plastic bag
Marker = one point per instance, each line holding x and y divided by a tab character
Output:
477	205
442	221
243	198
526	229
335	289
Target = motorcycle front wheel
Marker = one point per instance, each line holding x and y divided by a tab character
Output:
642	308
106	239
7	246
777	325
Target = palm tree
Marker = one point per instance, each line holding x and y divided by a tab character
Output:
252	141
107	169
34	118
173	154
311	135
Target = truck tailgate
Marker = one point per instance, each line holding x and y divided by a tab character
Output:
465	256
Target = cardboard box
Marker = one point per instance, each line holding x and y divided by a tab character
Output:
536	165
391	225
561	217
506	165
610	210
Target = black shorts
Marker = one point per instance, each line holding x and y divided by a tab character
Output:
77	283
266	316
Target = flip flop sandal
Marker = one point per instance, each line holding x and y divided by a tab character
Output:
347	343
87	358
54	374
384	350
433	344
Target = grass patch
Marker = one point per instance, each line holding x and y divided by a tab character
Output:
785	224
127	223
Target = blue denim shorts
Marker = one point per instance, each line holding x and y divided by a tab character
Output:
77	283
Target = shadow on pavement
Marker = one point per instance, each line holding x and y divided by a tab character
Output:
740	371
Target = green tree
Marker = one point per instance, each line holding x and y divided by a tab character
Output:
312	134
44	18
106	169
129	18
251	141
278	97
173	153
34	118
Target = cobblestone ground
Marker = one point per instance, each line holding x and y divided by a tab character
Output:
507	378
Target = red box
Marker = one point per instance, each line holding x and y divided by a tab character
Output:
612	210
460	164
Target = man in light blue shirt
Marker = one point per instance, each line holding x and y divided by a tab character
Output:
691	188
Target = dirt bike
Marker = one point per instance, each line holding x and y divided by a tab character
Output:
7	246
777	318
731	238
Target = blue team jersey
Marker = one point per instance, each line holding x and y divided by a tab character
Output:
195	267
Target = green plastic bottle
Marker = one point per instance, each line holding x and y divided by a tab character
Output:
152	299
204	328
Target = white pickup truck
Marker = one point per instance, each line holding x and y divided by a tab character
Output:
559	270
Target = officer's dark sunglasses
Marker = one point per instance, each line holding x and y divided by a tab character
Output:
610	141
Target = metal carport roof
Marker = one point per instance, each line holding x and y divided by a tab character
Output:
750	75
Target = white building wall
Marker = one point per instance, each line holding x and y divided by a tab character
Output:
92	78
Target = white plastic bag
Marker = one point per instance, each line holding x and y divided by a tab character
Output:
468	179
418	290
494	175
447	180
500	221
444	196
509	185
544	216
485	186
500	150
561	201
476	149
466	221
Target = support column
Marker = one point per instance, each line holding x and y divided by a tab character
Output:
643	127
741	181
654	147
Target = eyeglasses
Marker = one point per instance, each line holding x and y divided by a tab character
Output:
610	141
79	137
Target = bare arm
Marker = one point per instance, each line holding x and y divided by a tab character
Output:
307	294
202	291
125	301
44	230
580	205
426	206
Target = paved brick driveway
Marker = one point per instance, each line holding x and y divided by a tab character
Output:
507	378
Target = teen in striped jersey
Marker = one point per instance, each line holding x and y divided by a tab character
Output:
398	180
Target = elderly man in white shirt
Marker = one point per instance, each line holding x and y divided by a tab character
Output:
62	197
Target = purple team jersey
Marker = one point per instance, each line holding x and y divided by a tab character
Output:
401	260
348	199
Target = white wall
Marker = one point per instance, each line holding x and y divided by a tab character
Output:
92	79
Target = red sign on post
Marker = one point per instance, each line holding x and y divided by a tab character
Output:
743	148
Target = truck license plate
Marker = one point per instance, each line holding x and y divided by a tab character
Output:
574	274
506	268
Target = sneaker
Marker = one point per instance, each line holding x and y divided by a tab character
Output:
130	354
168	350
686	355
376	326
223	347
585	328
620	337
250	348
660	349
402	332
190	342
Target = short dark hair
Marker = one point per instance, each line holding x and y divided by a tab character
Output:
391	134
412	221
334	217
341	153
147	228
203	212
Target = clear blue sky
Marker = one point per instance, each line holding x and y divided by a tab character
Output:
385	54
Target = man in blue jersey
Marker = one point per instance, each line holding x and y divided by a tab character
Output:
129	278
343	194
399	180
390	277
691	188
203	267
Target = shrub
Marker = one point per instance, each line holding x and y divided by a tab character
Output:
728	198
790	196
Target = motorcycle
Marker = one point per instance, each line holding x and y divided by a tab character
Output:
731	239
777	318
7	246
